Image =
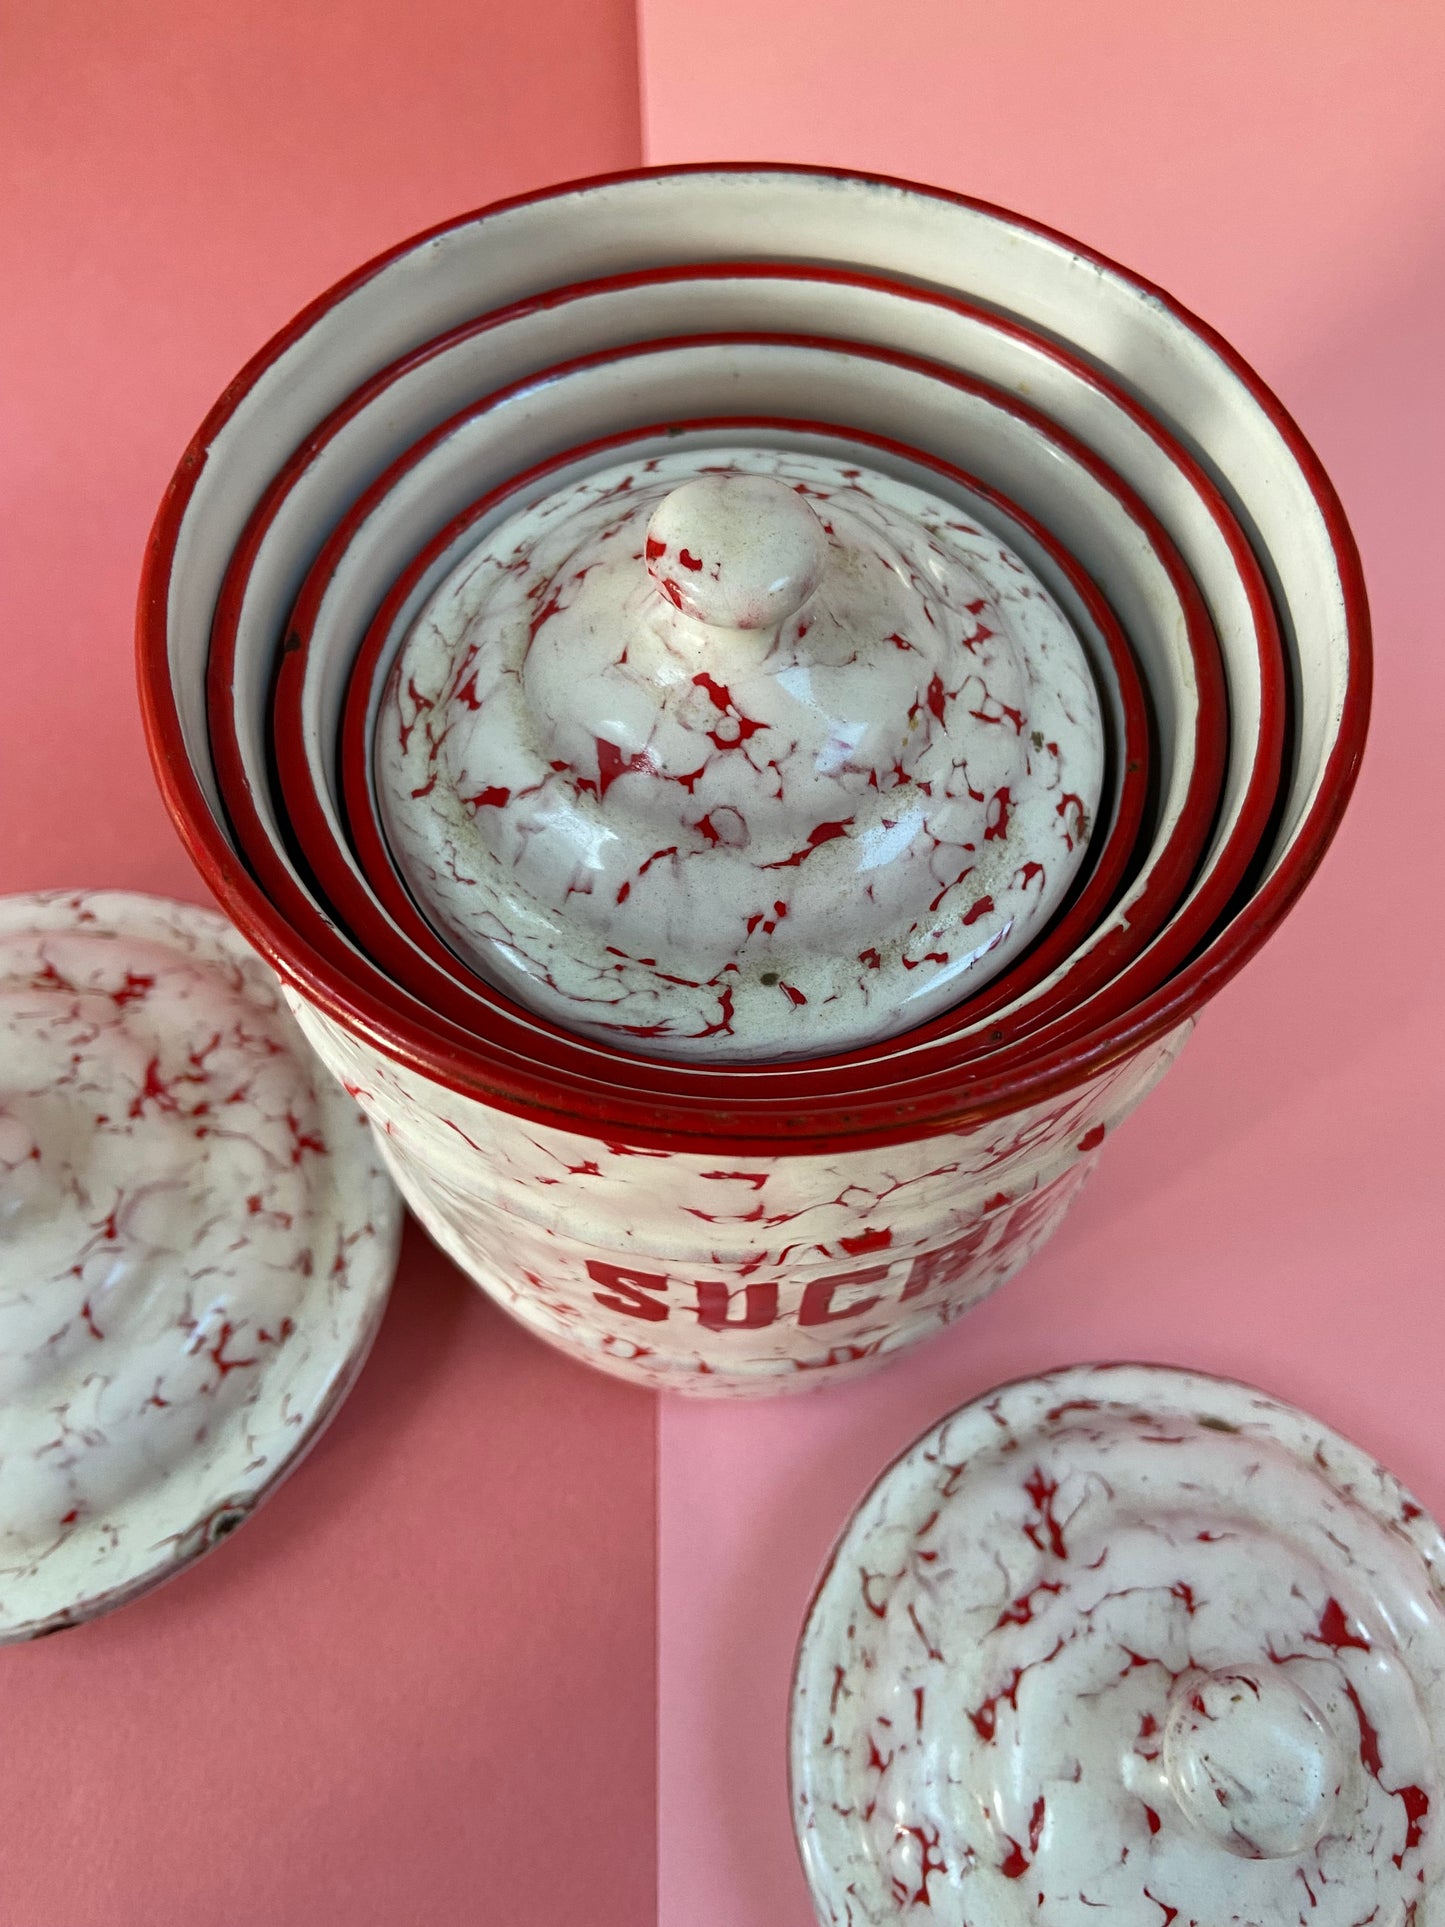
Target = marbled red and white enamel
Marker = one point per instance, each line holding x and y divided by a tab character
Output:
1126	1645
740	756
523	251
731	1274
198	1243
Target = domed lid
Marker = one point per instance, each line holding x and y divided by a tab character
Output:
1130	1644
740	754
196	1245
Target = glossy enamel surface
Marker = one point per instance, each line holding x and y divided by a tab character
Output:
756	1275
335	811
1131	556
1126	1643
920	321
740	756
199	1242
890	1098
722	204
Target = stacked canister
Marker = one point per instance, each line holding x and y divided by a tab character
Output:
749	709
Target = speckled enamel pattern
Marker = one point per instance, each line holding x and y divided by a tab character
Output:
1129	1645
740	755
730	1274
199	1240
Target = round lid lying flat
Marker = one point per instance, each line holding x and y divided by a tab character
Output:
740	755
198	1242
1133	1645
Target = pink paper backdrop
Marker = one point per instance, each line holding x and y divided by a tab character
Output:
1276	1210
419	1686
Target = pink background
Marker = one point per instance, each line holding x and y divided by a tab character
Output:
420	1686
452	1672
1276	1210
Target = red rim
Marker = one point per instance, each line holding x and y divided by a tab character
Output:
435	993
379	939
1255	810
747	1129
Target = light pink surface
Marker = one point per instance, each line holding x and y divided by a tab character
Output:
1275	1211
418	1687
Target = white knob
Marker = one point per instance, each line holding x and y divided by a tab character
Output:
736	551
1252	1761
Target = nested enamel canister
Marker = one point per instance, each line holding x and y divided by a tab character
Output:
1129	1644
739	757
767	1221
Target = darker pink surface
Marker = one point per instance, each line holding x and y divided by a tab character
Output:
175	182
416	1687
1275	1211
419	1685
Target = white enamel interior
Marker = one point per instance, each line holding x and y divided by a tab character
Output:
684	382
427	395
633	224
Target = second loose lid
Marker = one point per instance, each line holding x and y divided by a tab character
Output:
1133	1645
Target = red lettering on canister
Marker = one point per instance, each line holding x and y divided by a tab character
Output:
818	1308
628	1290
715	1305
941	1267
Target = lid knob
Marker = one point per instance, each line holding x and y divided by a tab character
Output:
1252	1761
736	551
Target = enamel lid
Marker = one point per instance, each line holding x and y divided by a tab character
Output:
1129	1645
739	754
197	1240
